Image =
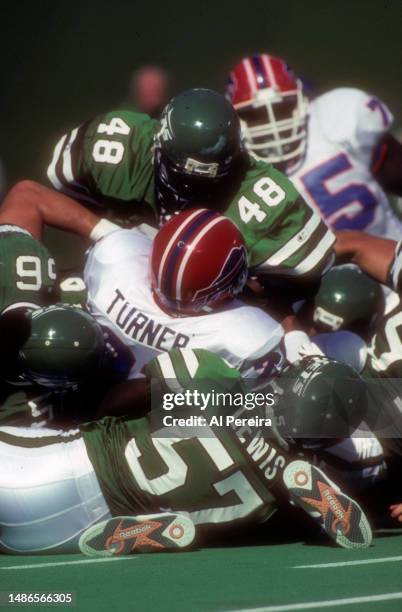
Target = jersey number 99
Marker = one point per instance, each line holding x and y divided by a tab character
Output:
29	271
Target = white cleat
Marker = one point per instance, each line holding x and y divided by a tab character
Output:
342	518
125	535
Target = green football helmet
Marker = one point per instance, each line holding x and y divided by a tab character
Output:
65	347
197	146
319	400
347	299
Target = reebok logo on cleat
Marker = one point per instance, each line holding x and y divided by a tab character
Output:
328	502
139	533
129	533
335	505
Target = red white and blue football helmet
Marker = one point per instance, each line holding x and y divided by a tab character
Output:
272	108
198	261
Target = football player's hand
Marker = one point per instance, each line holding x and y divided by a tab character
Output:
299	345
396	512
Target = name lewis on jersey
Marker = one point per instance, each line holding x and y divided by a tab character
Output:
263	454
141	327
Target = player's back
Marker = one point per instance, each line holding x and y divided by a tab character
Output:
107	162
120	297
27	269
219	474
335	176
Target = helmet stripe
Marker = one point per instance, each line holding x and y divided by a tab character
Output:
198	237
252	81
177	253
172	242
260	71
268	67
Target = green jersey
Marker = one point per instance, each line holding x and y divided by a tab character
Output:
385	351
72	289
218	476
27	269
26	406
384	366
109	162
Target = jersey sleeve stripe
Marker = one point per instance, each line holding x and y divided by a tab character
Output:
60	171
67	163
51	171
190	360
15	229
316	257
37	438
395	276
296	242
168	372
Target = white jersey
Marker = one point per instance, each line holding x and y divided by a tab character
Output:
345	126
120	297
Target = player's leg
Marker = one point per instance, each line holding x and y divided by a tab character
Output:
356	462
49	491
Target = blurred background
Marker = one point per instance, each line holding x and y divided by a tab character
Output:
64	62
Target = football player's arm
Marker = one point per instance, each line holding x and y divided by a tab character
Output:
30	205
129	398
387	164
300	246
371	141
372	254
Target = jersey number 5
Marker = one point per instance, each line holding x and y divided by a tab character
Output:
393	335
176	475
351	207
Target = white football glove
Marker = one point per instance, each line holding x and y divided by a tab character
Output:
299	345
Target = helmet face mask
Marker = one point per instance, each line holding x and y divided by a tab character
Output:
327	320
346	299
182	185
272	108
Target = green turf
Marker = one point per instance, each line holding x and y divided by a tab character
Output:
215	579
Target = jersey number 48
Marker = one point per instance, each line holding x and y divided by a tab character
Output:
110	151
270	193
